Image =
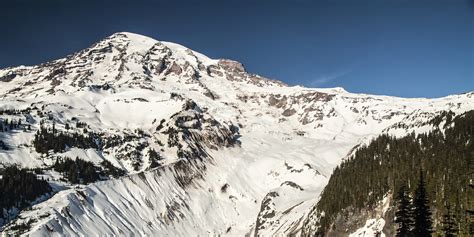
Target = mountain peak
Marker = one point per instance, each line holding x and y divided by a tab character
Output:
130	36
191	134
130	60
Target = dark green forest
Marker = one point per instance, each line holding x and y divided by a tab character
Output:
444	157
77	171
19	187
58	141
84	172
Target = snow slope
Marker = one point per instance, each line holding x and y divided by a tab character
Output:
251	158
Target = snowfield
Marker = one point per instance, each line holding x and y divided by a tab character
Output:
260	180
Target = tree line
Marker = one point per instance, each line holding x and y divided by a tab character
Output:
446	158
18	188
10	125
50	139
79	171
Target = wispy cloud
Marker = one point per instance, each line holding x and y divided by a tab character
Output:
328	78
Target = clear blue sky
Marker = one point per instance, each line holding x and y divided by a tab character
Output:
410	48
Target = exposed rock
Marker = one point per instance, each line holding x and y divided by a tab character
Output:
289	112
175	68
293	185
231	65
213	70
8	77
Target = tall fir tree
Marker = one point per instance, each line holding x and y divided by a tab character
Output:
404	214
449	222
422	214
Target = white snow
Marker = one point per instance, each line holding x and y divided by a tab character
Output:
271	143
371	228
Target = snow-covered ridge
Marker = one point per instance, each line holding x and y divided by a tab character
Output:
260	151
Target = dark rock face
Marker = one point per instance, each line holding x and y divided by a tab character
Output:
268	216
293	185
266	211
277	101
105	49
231	65
199	130
289	112
352	219
8	77
213	70
312	102
175	68
193	132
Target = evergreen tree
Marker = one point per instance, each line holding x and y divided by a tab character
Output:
5	125
83	172
445	153
72	174
404	214
90	175
59	141
422	214
154	158
18	188
449	223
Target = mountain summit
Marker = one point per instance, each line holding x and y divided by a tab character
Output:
137	137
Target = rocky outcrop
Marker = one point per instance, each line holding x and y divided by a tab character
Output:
231	65
350	220
8	77
267	212
199	131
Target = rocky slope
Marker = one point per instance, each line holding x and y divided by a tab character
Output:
207	147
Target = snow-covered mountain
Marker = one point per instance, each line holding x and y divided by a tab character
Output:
207	147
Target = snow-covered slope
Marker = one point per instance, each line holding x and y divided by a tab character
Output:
242	154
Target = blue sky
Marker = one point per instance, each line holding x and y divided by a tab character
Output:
409	48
